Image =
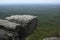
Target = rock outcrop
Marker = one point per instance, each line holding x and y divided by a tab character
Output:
17	27
11	29
29	22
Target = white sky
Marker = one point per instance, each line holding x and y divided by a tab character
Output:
27	1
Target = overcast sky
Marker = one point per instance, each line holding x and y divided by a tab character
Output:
27	1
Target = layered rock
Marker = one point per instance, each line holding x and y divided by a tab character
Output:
29	22
8	25
17	27
11	29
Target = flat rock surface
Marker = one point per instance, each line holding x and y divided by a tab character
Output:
21	18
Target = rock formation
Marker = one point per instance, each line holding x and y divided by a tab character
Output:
11	29
29	22
17	27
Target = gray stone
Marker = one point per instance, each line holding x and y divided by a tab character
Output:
29	22
17	27
3	34
8	25
11	29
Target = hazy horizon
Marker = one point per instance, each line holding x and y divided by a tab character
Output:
29	1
